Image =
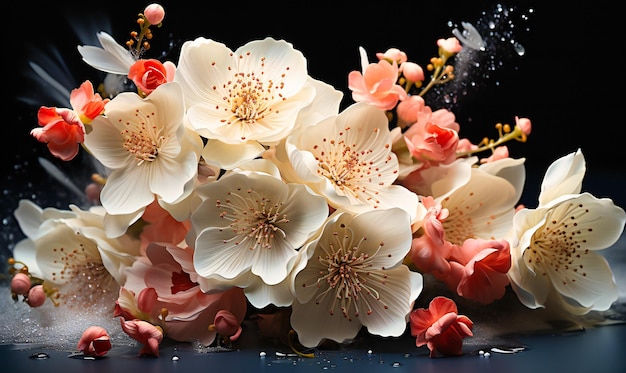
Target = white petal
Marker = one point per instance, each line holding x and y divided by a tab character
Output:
113	59
564	176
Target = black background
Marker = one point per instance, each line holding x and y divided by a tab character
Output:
570	82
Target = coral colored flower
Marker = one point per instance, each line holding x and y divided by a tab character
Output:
95	341
440	327
150	336
63	129
432	144
147	74
154	13
20	284
483	267
429	250
376	84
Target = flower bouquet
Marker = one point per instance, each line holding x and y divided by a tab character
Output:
230	187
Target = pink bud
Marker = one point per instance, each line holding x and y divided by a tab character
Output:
20	283
227	324
393	54
36	296
524	125
154	13
412	71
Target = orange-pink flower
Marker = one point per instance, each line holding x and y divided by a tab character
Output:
377	85
440	327
95	341
227	324
484	272
148	74
62	128
150	336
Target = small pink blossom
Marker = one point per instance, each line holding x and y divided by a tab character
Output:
440	327
145	333
409	109
154	13
377	85
148	74
391	55
431	144
449	46
95	341
485	265
501	152
524	125
412	71
430	250
20	283
36	296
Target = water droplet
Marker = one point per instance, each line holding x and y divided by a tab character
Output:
369	352
262	354
175	358
39	356
396	364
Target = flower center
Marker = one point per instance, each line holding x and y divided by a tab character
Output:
141	138
458	225
348	276
86	282
353	168
556	249
255	219
249	95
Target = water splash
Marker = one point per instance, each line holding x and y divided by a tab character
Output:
492	44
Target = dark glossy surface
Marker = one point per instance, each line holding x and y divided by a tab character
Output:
597	350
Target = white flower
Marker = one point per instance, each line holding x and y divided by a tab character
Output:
553	252
69	250
244	99
347	158
150	153
354	277
250	226
111	58
480	200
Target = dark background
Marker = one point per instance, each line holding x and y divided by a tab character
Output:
569	82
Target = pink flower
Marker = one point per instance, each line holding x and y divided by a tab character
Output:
145	333
524	125
501	152
162	226
409	109
485	265
432	144
449	46
95	341
148	74
63	129
391	55
429	252
20	283
154	13
377	85
36	296
440	327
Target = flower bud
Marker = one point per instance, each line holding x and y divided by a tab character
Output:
20	284
412	71
524	125
36	296
154	13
